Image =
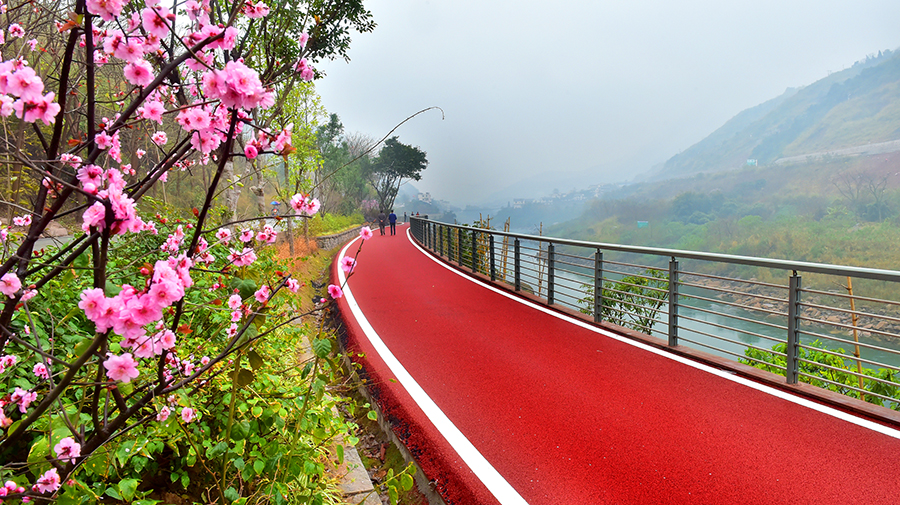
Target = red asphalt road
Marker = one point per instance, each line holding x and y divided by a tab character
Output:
567	415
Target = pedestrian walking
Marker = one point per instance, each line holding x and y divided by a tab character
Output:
393	219
381	221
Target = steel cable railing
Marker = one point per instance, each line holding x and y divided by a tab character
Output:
752	310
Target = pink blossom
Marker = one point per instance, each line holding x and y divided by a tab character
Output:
94	216
234	302
121	368
32	44
250	152
48	482
10	284
139	73
305	70
166	339
67	449
106	9
293	285
257	10
22	398
156	20
22	220
347	264
40	370
131	50
304	37
16	30
153	111
194	118
237	85
140	152
163	414
7	106
103	140
243	258
7	360
262	294
25	84
166	291
204	360
159	138
90	173
235	316
366	233
224	235
40	107
335	291
188	414
246	236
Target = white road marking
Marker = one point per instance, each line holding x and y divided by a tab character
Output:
490	477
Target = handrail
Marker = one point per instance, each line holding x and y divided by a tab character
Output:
822	268
723	315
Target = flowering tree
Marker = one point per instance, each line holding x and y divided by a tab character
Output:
91	334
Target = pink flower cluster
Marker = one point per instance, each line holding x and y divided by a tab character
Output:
256	10
11	487
22	398
7	360
67	449
305	204
48	482
21	91
10	284
129	312
237	86
279	144
113	208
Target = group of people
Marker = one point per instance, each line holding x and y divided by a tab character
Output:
382	221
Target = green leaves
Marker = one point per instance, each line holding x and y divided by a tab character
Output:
245	287
322	347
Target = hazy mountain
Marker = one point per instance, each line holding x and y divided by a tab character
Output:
854	107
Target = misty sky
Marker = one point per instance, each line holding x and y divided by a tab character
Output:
532	86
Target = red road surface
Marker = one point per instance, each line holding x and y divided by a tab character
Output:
503	403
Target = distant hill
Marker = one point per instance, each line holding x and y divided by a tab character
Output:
847	109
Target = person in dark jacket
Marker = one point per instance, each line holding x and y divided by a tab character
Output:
381	221
393	219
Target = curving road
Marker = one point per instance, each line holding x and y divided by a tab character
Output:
504	402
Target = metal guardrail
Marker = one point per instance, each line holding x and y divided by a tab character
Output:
753	310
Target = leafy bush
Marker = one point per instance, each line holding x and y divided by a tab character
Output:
632	302
817	367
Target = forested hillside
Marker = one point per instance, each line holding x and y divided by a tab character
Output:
856	106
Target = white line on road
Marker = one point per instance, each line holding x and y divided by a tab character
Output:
490	477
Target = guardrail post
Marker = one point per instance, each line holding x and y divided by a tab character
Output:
459	260
792	366
598	286
517	264
493	271
474	237
673	302
439	230
550	277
